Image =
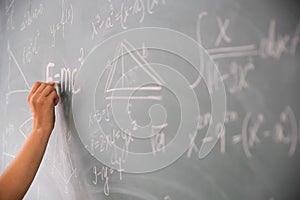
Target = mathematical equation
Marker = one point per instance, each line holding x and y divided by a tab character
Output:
123	13
66	20
64	76
274	45
252	133
104	173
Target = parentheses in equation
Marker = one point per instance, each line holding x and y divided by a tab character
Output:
244	135
138	7
294	131
253	138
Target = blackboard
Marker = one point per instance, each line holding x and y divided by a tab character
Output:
159	99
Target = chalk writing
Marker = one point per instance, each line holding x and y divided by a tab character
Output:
158	143
31	15
223	52
100	114
104	173
233	52
282	44
193	146
253	132
107	142
66	19
222	34
287	124
30	50
272	46
120	16
287	119
238	74
275	45
66	77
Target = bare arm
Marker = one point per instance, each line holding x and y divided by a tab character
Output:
17	178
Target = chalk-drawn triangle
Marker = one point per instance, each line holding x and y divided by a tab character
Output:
139	61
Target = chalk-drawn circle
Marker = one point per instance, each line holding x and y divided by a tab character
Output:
93	66
156	111
189	112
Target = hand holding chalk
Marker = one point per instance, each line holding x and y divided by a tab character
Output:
42	100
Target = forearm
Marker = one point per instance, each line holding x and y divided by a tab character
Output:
17	178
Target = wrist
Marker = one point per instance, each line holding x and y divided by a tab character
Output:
42	133
42	127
